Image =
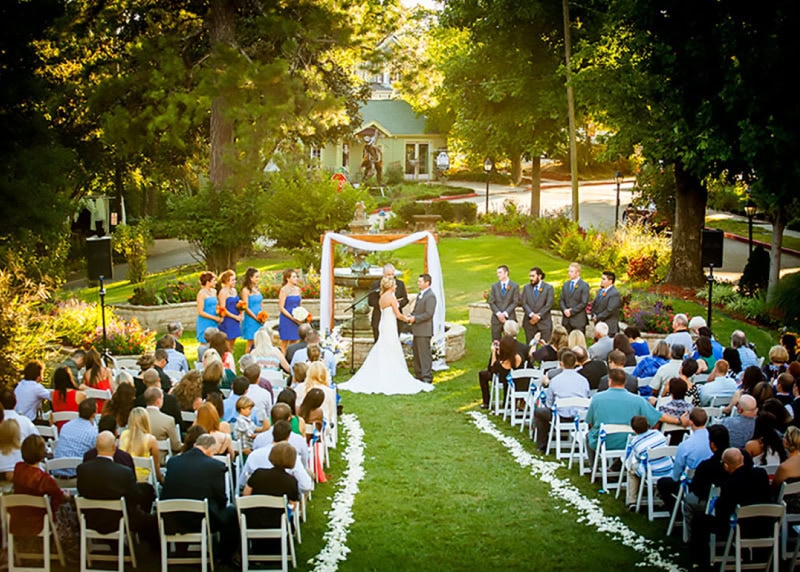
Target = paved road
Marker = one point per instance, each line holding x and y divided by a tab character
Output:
597	206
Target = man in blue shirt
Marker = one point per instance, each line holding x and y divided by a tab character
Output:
77	436
690	453
739	343
30	392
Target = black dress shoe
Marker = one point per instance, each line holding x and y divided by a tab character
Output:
484	406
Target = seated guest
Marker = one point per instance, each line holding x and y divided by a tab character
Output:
288	397
281	432
645	440
191	436
680	333
160	361
602	343
740	427
189	391
195	475
103	479
541	351
8	400
78	436
719	384
739	343
97	376
778	363
784	388
766	446
248	359
689	455
208	419
592	369
121	403
649	365
176	361
677	406
30	392
569	383
704	354
686	373
10	449
162	426
763	391
175	330
139	442
708	473
505	357
734	362
789	469
618	406
212	378
667	371
311	409
218	401
266	355
301	355
299	371
782	416
30	479
66	396
316	377
244	430
238	389
751	377
146	361
789	342
616	359
717	349
282	412
262	398
640	347
623	344
207	335
121	457
303	330
274	481
219	343
74	363
169	403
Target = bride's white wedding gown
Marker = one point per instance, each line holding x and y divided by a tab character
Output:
385	370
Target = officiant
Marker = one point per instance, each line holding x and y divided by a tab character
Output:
375	294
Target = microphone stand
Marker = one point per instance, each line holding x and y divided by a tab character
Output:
352	309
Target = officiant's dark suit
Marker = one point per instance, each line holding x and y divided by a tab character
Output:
503	298
374	299
537	300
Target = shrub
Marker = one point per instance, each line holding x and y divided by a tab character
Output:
445	209
393	175
542	231
73	319
510	221
723	196
465	212
603	250
785	303
132	242
122	337
572	245
404	211
755	276
649	315
644	253
173	292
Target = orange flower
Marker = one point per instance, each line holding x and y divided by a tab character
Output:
262	317
309	318
241	305
220	311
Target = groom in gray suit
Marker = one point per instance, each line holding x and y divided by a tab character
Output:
422	329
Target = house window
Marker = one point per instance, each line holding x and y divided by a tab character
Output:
316	154
417	158
345	155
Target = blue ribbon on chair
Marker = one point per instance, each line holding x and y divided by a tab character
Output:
510	381
577	421
643	461
602	437
542	397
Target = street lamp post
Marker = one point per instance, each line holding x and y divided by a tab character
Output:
488	165
750	211
618	179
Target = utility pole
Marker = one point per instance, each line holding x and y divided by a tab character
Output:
573	146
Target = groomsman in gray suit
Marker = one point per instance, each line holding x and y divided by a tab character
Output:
574	297
537	300
421	321
503	300
605	307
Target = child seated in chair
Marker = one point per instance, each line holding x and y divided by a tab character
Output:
244	430
644	440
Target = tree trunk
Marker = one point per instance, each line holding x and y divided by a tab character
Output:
222	30
690	210
516	168
778	226
536	186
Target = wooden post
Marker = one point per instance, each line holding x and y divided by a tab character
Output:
333	290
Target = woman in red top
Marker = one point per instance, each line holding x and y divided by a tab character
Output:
66	395
29	479
97	376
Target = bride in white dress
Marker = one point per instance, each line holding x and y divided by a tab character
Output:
385	370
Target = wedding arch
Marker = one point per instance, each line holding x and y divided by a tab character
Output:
377	242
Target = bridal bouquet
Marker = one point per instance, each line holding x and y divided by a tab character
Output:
336	344
301	314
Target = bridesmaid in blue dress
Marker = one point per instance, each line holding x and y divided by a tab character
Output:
207	305
253	297
288	300
231	324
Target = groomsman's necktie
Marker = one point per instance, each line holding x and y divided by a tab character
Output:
503	289
572	286
536	292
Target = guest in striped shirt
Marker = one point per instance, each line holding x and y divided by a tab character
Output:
645	440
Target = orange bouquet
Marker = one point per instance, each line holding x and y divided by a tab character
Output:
262	317
221	311
241	305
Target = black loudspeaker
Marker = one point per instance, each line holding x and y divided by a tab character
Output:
98	255
713	240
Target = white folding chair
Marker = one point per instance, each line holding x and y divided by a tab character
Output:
238	462
530	399
48	530
604	455
51	465
226	460
495	395
164	451
546	366
174	375
276	378
714	414
89	535
188	416
558	427
97	393
754	511
629	369
50	435
640	358
648	481
721	400
283	533
512	394
645	381
201	536
788	489
59	416
578	438
149	464
685	478
700	378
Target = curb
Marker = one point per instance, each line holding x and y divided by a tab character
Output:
768	246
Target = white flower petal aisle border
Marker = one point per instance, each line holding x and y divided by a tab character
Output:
589	510
340	515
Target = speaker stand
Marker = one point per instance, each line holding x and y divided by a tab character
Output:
102	293
710	291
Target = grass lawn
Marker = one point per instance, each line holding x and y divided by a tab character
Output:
759	233
439	494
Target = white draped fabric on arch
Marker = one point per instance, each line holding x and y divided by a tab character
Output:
433	264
